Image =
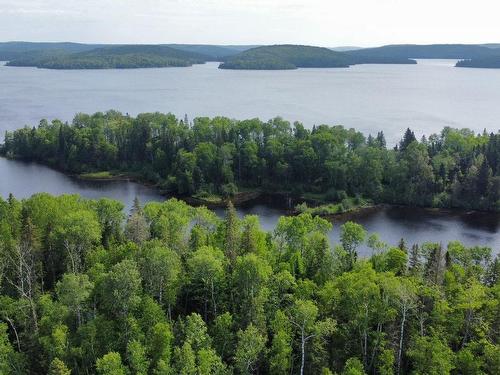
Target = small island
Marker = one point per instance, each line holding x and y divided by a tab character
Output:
287	57
283	57
114	57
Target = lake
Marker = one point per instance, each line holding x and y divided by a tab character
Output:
426	97
370	98
392	223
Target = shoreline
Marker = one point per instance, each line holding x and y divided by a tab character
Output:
281	200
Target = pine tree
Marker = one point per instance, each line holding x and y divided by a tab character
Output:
137	228
414	263
483	178
408	138
232	236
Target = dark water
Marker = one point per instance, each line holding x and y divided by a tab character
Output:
415	225
412	224
25	179
425	97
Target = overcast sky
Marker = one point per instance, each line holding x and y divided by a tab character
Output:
314	22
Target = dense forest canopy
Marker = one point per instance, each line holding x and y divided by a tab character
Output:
431	51
176	290
110	57
101	56
215	53
456	168
286	57
282	57
16	50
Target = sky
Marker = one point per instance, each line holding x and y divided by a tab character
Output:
314	22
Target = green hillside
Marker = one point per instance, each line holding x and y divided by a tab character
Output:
111	57
14	50
279	57
214	52
433	51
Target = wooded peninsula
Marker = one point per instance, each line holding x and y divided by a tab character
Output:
221	158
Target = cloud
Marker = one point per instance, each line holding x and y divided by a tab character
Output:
318	22
25	11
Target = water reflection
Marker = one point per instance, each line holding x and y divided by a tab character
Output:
25	179
391	223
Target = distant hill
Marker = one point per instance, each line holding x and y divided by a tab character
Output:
67	55
13	50
279	57
492	62
214	52
110	57
433	51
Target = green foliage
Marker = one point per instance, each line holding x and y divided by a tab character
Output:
430	356
110	364
250	348
57	367
111	57
219	158
286	57
353	366
209	296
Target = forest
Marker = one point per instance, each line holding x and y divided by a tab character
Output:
430	51
220	156
109	57
285	57
171	289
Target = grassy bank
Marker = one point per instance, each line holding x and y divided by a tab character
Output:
106	175
330	209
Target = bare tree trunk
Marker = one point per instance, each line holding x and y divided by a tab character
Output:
303	354
213	299
15	332
401	333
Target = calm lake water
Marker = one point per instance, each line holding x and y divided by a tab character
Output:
415	225
370	98
426	97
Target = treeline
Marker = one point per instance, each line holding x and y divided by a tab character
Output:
178	291
280	57
455	168
110	57
283	57
131	61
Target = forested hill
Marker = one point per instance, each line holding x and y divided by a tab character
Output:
219	156
121	57
14	50
286	57
431	51
282	57
213	52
